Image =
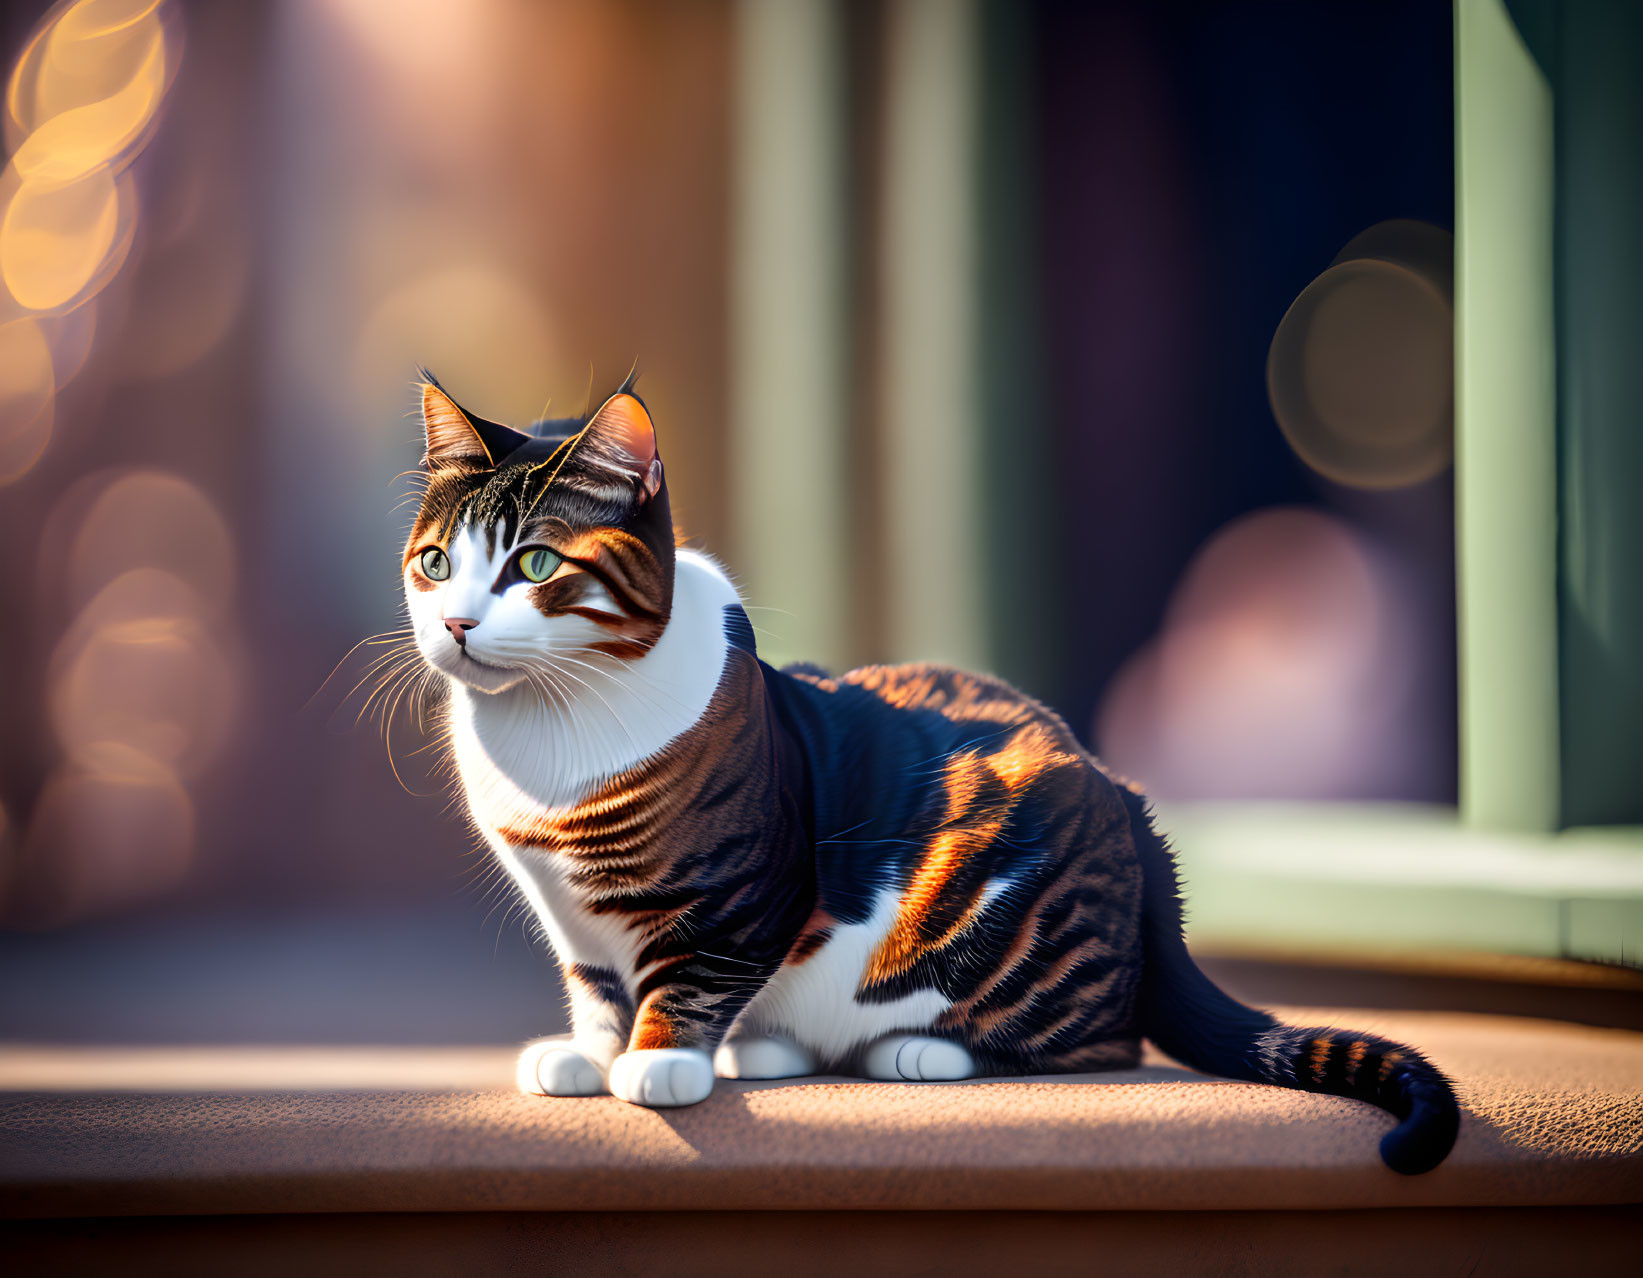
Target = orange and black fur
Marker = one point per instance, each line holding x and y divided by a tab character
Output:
908	871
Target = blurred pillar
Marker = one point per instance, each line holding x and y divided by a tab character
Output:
1505	413
1597	78
930	275
790	385
1021	578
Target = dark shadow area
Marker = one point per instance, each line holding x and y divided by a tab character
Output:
1481	1241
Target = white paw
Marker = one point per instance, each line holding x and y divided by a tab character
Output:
917	1059
762	1057
662	1076
554	1067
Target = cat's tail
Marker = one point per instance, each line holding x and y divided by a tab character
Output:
1194	1020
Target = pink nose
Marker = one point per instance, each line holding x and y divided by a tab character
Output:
459	627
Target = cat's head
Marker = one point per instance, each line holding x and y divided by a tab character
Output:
536	549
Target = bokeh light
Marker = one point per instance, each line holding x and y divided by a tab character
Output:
470	316
79	140
70	336
1361	370
27	386
140	692
80	104
151	518
1286	658
82	54
108	831
57	243
151	680
416	39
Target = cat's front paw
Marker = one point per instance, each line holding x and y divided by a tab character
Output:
662	1076
554	1067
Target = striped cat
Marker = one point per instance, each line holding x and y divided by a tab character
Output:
906	872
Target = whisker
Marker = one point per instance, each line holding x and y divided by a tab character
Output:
616	717
650	688
385	637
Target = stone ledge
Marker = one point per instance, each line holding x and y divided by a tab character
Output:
1554	1117
1380	879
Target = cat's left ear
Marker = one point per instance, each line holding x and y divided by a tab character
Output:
622	433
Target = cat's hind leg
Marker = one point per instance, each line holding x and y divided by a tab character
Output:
917	1058
762	1056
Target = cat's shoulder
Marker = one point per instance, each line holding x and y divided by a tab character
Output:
957	694
963	699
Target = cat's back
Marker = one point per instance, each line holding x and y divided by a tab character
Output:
903	758
898	726
972	703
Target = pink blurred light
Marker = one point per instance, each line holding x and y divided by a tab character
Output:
1283	670
151	518
139	668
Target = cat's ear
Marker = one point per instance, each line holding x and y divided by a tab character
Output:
622	433
454	437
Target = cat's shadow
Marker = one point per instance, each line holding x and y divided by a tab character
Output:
1140	1074
728	1120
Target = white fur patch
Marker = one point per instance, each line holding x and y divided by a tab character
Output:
813	1003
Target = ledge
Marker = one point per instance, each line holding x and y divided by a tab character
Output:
1553	1117
1379	878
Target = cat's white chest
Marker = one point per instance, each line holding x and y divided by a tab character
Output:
526	760
537	748
517	760
577	934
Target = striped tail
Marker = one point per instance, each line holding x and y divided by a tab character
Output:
1194	1020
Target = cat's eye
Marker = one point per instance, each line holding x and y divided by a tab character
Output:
538	564
435	565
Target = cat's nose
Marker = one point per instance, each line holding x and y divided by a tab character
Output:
459	627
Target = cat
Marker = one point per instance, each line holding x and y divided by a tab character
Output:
903	872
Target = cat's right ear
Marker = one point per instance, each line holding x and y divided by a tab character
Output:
454	438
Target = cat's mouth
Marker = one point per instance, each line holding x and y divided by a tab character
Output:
477	673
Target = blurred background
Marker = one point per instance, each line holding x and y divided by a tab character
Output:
1105	346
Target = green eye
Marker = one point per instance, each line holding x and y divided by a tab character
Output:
538	565
435	566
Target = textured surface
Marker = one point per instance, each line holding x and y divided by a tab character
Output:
1553	1116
